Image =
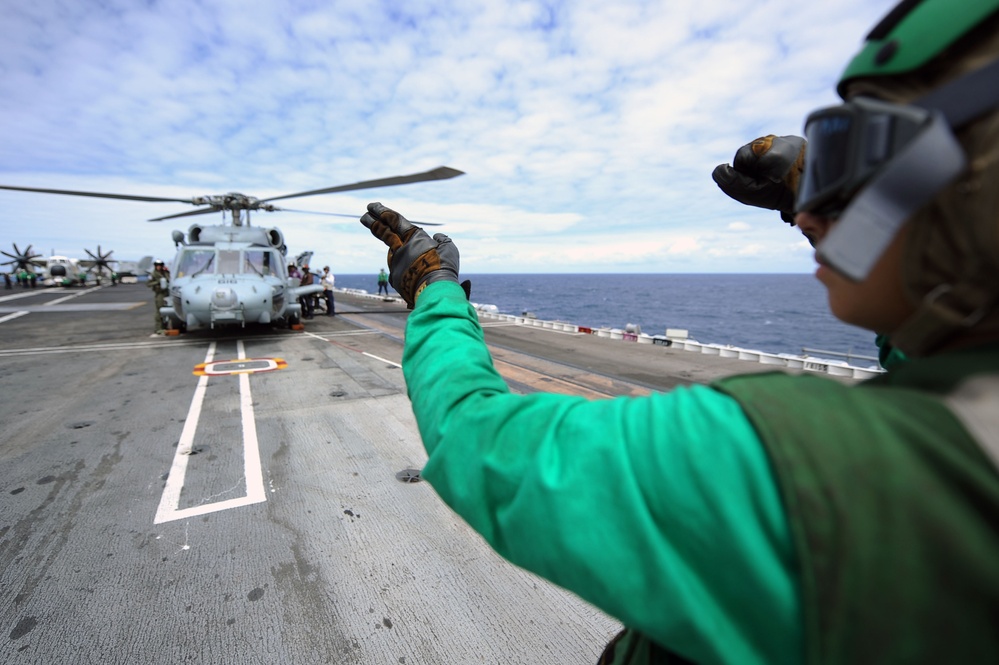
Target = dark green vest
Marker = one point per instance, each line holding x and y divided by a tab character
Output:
893	506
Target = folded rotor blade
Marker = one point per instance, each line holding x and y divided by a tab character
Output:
94	194
440	173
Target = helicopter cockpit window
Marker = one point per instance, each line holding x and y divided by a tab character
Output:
277	264
229	262
258	262
196	262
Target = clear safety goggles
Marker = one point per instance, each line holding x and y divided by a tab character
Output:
873	164
848	144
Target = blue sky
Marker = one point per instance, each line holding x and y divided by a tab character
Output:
587	130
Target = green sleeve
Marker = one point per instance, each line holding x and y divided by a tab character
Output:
662	510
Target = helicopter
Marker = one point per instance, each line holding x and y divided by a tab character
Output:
234	273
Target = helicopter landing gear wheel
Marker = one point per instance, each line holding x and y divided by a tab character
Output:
294	322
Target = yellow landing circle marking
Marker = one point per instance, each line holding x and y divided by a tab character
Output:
243	366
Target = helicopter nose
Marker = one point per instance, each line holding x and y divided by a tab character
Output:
224	298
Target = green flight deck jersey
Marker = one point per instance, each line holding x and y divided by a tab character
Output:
682	514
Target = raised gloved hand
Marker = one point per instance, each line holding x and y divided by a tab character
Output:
414	258
765	173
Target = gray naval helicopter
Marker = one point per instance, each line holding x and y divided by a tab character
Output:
234	273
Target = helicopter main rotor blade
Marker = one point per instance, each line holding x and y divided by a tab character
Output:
183	214
342	214
440	173
70	192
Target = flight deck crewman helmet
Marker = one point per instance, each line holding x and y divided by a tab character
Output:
916	143
875	162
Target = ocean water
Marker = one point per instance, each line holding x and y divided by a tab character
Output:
773	313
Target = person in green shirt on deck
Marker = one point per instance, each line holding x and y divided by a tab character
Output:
383	281
774	518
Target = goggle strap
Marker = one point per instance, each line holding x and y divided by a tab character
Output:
908	182
966	98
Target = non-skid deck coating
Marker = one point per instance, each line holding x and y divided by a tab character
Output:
290	538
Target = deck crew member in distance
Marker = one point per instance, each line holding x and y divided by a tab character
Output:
774	518
158	280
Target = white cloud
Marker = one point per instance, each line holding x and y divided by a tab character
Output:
588	130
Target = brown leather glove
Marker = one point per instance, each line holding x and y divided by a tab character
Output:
765	173
414	258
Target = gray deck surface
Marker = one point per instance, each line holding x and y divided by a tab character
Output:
286	537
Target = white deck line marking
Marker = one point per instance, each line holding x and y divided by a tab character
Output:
169	510
170	500
363	353
120	346
387	362
15	315
12	316
26	294
164	343
74	307
251	448
75	295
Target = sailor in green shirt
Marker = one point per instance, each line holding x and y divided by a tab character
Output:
383	281
774	518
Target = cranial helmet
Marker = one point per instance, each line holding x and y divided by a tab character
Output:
917	144
914	33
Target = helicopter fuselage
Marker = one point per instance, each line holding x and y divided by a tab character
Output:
232	276
233	289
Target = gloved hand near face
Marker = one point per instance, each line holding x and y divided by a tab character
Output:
414	258
765	173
